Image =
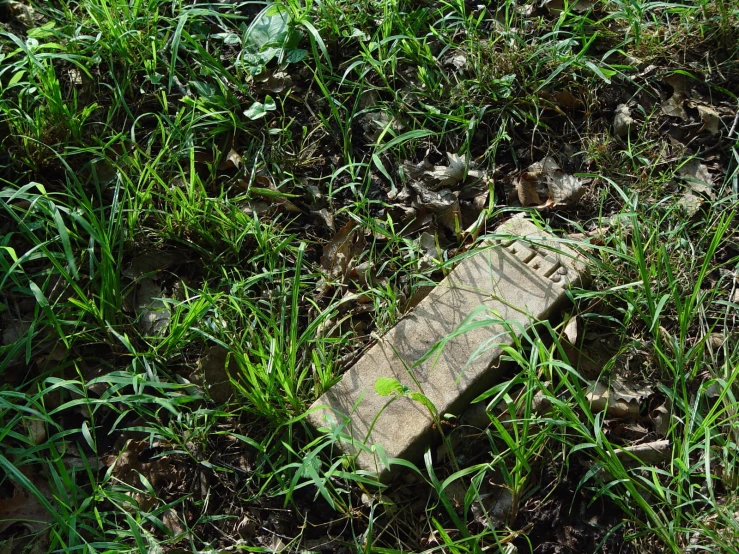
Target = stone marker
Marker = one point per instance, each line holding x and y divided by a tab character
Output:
510	280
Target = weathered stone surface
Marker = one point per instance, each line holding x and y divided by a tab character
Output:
510	284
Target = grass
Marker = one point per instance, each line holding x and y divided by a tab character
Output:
133	243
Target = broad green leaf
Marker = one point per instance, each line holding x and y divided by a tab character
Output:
229	39
271	27
203	89
295	55
272	34
385	386
266	55
424	400
258	110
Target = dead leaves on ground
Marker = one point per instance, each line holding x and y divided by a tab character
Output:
698	185
146	296
692	111
25	509
635	416
617	398
622	121
216	367
339	251
545	185
451	196
145	476
434	198
687	104
434	177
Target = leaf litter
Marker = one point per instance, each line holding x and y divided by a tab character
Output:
622	121
216	367
699	185
152	311
545	185
24	508
618	398
453	195
143	473
339	252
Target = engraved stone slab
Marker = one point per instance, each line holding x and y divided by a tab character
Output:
510	283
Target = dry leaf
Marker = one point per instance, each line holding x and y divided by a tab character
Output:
673	106
710	119
152	312
14	328
364	273
476	415
451	218
434	201
679	82
22	13
565	188
427	244
24	508
690	203
455	491
232	161
36	429
378	124
247	527
697	176
622	121
325	217
629	431
650	453
619	400
660	417
699	183
368	99
570	330
595	237
256	207
431	252
267	190
129	466
715	341
75	76
415	171
215	376
435	177
446	176
104	171
419	294
457	61
173	523
526	187
494	505
567	99
325	544
339	251
546	178
275	82
480	201
276	544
